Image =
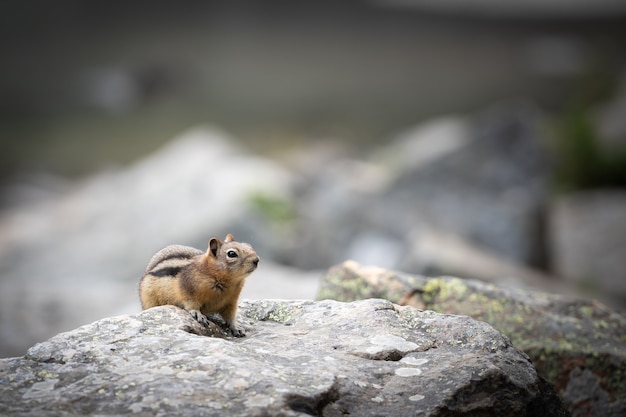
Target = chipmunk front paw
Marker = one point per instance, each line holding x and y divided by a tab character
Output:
199	317
237	331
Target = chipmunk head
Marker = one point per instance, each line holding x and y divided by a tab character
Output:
235	257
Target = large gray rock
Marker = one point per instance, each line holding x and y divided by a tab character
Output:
325	358
578	345
483	179
490	191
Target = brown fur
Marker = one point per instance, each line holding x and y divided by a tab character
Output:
200	282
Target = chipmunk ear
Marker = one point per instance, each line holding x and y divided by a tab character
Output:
229	238
214	246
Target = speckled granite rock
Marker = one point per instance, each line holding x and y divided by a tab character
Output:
300	358
578	345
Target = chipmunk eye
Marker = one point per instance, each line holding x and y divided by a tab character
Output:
231	254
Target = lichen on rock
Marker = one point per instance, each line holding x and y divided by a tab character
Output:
565	337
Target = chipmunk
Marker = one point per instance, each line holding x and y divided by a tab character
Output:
200	282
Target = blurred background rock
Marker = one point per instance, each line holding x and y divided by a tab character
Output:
476	139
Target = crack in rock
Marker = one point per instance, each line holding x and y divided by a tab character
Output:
314	405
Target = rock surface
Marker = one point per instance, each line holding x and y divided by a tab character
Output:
324	358
578	345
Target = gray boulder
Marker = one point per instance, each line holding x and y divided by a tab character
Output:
483	179
327	358
578	345
489	191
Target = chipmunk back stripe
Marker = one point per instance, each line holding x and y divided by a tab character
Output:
168	271
173	255
173	259
182	256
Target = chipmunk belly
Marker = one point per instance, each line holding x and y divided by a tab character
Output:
212	298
